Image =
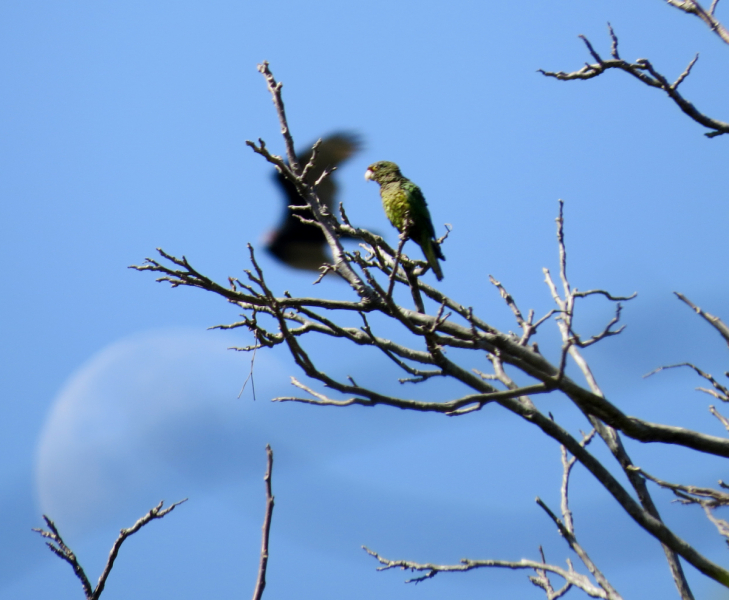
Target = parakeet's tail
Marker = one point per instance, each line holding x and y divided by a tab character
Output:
432	252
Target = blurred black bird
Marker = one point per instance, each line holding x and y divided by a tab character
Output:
298	244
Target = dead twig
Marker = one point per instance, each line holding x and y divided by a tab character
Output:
60	549
692	7
715	322
720	392
261	579
643	70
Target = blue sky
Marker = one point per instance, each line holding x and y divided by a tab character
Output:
123	128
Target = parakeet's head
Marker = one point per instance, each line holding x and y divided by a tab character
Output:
383	171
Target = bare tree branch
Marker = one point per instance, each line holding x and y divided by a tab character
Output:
466	564
709	499
541	580
529	328
648	515
261	579
721	393
692	7
433	330
59	548
566	525
698	494
450	408
723	420
715	322
591	402
643	70
274	88
450	334
607	590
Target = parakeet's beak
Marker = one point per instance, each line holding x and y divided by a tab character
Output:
369	174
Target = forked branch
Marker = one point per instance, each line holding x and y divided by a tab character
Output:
60	549
643	70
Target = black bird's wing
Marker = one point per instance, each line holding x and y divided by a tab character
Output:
298	244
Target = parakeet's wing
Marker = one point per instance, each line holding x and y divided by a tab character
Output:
422	231
293	242
419	212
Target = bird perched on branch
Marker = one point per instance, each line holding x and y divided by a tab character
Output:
407	210
301	245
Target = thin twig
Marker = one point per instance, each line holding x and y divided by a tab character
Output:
715	322
722	419
261	579
643	70
692	7
609	591
60	549
722	392
431	570
403	239
254	349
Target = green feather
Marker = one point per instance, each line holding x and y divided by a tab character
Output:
403	201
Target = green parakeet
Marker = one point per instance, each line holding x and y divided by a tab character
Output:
403	200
